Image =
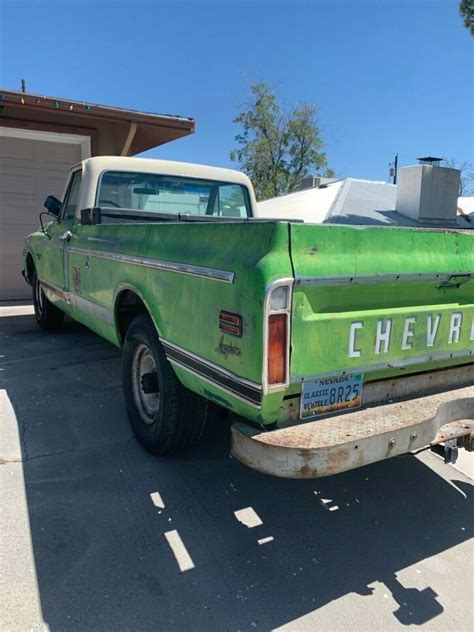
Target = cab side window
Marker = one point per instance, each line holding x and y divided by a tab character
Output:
72	196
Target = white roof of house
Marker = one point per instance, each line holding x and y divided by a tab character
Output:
466	204
365	202
350	201
310	205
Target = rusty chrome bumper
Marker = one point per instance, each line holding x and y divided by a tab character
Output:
338	443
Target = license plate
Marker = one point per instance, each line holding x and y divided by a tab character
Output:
330	394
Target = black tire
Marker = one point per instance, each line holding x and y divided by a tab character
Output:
47	315
172	418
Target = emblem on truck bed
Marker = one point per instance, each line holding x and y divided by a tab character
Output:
228	349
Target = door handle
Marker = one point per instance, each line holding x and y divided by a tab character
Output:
66	236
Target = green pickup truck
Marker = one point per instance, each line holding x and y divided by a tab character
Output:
333	346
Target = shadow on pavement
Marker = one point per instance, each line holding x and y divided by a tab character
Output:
103	561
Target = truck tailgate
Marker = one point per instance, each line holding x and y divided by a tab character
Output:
380	301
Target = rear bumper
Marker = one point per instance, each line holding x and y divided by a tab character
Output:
347	441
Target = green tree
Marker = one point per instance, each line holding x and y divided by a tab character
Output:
277	148
466	9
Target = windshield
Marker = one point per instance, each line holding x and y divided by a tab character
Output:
172	194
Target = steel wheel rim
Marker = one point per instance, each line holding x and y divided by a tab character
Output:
148	404
39	296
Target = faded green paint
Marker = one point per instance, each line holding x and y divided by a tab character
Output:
185	308
322	315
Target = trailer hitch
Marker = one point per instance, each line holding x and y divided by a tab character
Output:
449	450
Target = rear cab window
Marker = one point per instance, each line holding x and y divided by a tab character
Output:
172	195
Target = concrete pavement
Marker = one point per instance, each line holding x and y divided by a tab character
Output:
96	534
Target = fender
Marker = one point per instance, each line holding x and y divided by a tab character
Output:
26	273
124	287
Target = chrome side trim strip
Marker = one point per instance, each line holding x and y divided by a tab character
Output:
102	313
103	241
85	305
169	266
54	290
246	390
210	364
395	364
213	383
343	279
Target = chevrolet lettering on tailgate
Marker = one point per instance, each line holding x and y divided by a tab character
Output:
418	332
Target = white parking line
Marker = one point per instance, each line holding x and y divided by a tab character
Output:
19	592
248	517
16	310
157	500
180	552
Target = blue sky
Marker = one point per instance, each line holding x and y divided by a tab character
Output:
389	75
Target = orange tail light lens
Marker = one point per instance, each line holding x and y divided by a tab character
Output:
277	334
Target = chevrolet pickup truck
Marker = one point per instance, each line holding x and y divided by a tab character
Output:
333	346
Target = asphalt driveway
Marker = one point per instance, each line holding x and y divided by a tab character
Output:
96	534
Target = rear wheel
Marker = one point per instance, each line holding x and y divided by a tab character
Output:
164	415
47	315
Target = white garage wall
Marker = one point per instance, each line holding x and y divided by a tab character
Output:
32	164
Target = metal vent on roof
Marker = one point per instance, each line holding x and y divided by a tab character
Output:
430	160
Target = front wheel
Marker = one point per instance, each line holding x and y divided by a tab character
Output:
164	415
47	315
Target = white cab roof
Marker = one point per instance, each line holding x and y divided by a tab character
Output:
99	164
93	168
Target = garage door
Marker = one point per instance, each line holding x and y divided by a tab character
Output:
29	170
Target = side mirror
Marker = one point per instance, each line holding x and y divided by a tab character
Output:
53	205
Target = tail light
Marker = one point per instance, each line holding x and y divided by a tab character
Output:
277	343
277	348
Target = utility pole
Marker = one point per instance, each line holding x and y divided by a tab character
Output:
393	170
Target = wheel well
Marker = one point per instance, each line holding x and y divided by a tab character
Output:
30	267
127	306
